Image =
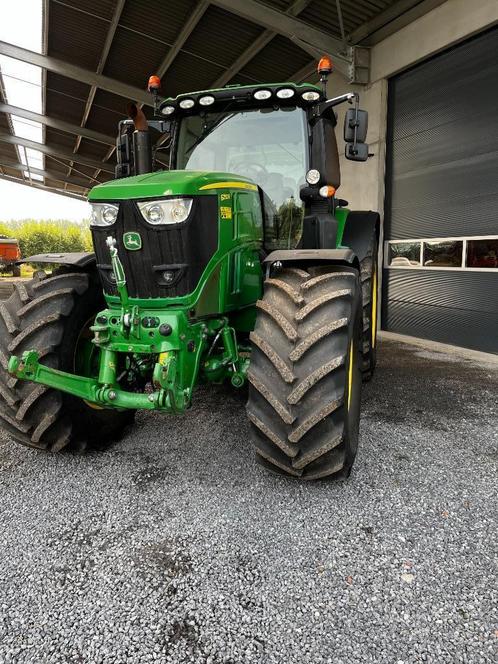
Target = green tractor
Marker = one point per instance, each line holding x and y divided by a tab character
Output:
235	262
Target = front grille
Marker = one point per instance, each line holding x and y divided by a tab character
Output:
185	249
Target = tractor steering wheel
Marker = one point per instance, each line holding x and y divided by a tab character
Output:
250	169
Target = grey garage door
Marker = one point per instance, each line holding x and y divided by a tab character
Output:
440	278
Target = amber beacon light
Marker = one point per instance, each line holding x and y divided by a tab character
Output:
154	83
325	68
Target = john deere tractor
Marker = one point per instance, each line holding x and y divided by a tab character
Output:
222	255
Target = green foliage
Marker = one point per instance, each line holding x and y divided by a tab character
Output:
285	227
48	236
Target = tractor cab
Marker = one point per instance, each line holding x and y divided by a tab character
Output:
280	136
267	145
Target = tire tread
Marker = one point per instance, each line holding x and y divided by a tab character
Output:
296	400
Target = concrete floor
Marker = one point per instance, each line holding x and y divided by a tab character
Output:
173	546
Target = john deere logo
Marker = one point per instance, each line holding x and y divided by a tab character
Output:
132	241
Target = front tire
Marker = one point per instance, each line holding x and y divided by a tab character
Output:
49	316
305	372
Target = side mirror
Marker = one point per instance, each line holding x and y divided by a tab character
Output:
356	151
355	126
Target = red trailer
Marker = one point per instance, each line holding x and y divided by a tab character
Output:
9	254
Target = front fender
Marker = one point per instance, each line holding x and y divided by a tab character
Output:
298	257
81	259
360	231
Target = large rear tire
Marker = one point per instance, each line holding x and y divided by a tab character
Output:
305	372
369	283
50	316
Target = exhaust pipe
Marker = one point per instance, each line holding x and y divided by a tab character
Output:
142	150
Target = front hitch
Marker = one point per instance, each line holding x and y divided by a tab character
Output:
170	398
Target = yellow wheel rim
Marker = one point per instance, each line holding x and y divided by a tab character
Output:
373	317
350	374
92	405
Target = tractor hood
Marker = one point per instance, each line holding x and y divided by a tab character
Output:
168	183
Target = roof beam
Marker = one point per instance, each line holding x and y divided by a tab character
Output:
185	33
392	19
45	23
57	124
52	175
305	72
77	73
100	67
258	45
310	39
43	187
53	151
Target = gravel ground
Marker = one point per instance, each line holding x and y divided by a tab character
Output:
173	546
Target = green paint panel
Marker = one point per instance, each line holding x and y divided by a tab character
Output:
341	214
161	184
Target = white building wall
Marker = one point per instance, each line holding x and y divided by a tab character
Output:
363	183
454	21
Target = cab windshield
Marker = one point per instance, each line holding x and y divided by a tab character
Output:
268	146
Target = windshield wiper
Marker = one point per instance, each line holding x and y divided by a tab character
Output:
208	129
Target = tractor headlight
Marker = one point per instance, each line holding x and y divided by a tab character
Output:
168	211
207	100
262	95
285	93
187	103
313	176
103	214
311	95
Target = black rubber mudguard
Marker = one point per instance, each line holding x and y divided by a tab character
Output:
325	256
359	230
297	257
81	259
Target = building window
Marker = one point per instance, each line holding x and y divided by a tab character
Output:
451	253
482	253
443	253
404	254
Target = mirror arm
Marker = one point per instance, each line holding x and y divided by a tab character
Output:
356	121
161	125
322	108
348	96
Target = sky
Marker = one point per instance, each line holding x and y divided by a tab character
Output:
18	201
22	25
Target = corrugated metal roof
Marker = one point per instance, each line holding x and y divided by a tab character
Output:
102	8
145	34
129	56
65	98
323	13
278	61
220	37
161	20
74	36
